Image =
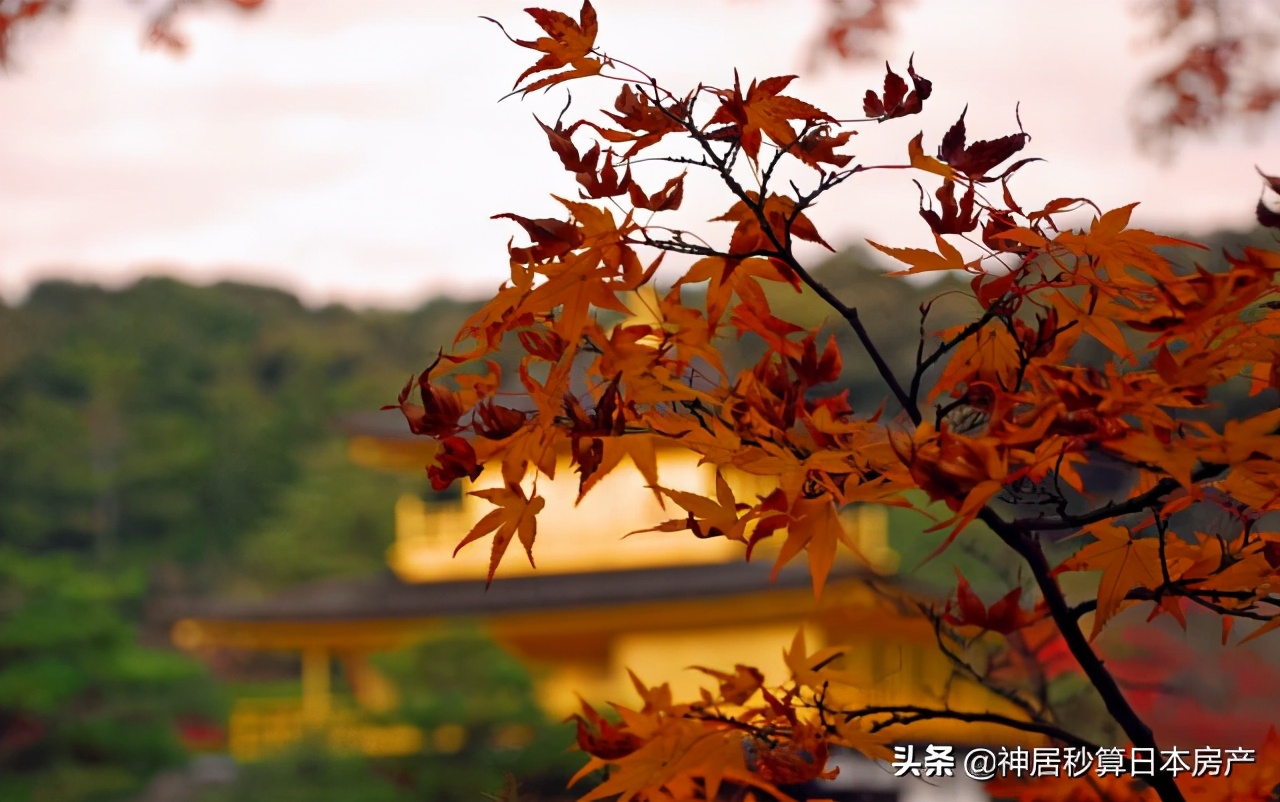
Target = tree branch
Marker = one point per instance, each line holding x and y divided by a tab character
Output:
1136	504
902	715
1103	682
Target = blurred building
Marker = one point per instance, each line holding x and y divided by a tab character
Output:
596	606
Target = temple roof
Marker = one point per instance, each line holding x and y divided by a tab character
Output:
386	597
387	424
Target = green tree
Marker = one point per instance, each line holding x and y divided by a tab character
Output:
86	714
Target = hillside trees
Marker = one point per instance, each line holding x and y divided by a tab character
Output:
1073	420
183	435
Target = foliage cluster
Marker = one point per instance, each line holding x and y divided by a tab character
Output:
86	713
1081	395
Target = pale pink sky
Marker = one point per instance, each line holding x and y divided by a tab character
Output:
354	150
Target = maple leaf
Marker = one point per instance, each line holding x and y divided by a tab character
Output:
678	751
496	422
599	737
598	180
568	43
645	121
1125	564
668	198
815	528
1004	617
813	669
707	518
607	419
956	218
727	276
896	102
797	760
516	516
552	238
738	687
818	147
1117	248
439	413
980	157
455	459
924	261
918	159
779	212
764	110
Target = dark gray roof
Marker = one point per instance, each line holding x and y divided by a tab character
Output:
388	424
385	596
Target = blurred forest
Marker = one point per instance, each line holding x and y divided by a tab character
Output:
167	437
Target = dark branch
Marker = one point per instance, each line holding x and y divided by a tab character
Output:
1136	504
902	715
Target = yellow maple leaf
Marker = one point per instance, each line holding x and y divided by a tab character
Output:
516	516
1125	564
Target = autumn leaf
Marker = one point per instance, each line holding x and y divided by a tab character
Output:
918	159
978	158
924	261
764	110
668	198
644	121
599	737
721	517
1117	248
1004	616
455	459
568	43
738	687
782	223
896	101
515	517
817	148
551	238
439	413
800	759
1126	563
815	528
957	217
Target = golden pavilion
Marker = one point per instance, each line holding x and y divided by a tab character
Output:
597	605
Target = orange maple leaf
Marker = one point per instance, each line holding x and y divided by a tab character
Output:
719	518
922	260
599	737
1126	563
815	528
515	517
568	43
749	237
764	110
738	687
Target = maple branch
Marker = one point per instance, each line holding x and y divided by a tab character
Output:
850	314
1137	730
902	715
928	362
1179	588
967	668
1114	510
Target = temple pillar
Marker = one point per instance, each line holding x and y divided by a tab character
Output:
315	684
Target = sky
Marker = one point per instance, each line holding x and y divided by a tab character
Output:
355	150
